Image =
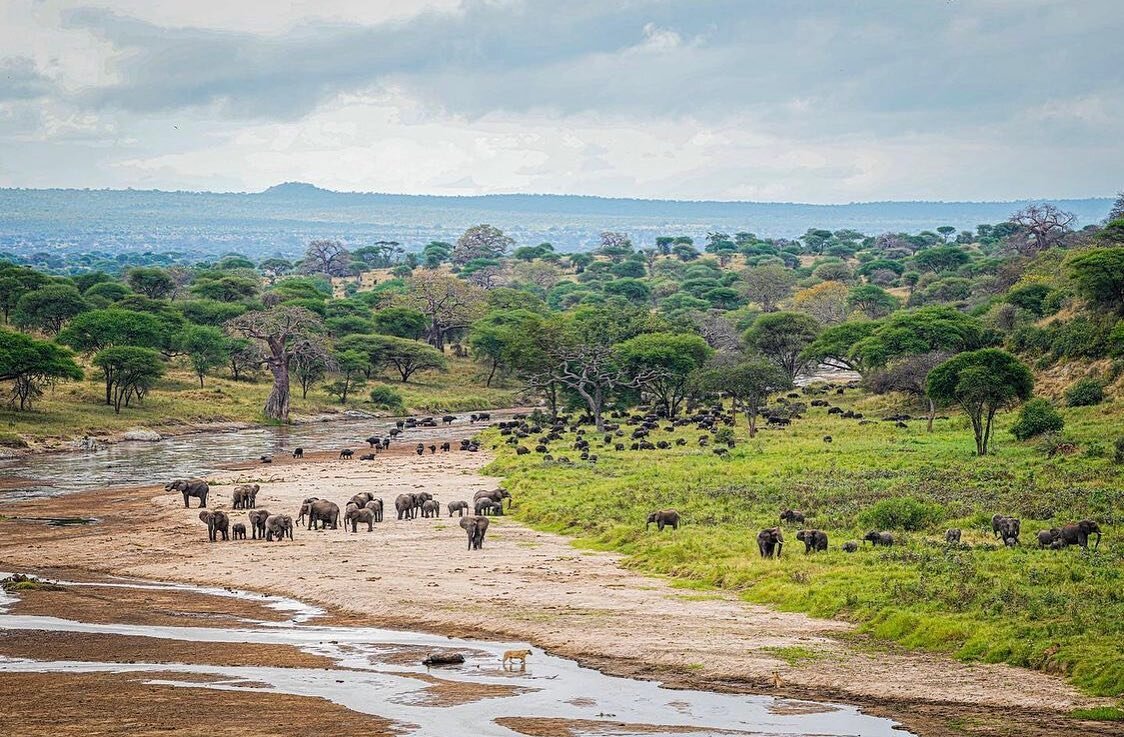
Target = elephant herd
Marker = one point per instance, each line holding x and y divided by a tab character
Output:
770	541
315	513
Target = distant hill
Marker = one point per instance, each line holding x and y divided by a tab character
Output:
281	219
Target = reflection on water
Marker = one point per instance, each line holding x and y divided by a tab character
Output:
133	463
367	679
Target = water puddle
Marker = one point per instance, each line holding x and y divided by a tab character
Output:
379	672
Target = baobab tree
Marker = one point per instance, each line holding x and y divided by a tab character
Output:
1042	226
447	302
283	331
326	257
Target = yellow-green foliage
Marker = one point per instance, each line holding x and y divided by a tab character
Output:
1057	610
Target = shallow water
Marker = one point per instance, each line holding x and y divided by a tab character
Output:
132	463
363	681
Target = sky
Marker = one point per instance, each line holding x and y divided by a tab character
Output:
768	100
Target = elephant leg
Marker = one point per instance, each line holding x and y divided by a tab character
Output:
185	506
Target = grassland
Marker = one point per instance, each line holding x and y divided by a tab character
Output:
1059	611
73	409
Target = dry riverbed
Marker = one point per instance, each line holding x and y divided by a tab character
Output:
524	585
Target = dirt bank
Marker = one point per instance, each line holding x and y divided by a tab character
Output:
524	585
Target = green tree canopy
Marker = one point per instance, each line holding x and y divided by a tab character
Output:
782	337
921	331
30	363
664	362
129	373
401	322
49	307
206	348
749	381
91	331
152	282
1099	276
982	382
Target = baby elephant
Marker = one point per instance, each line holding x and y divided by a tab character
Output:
217	522
1046	537
770	541
791	515
431	508
461	508
814	540
239	531
487	506
952	536
879	538
278	527
663	518
850	546
346	454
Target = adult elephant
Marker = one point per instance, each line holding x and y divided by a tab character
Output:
404	505
375	505
357	516
1077	533
770	542
361	499
663	518
487	506
217	522
431	508
322	514
257	523
278	527
304	508
197	488
814	540
245	496
496	495
475	526
878	538
461	508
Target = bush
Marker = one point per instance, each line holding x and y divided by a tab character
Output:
1096	450
1036	417
902	513
387	397
1118	450
1085	393
724	436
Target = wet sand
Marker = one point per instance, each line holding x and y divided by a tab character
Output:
524	585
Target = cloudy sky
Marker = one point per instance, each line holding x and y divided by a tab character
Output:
791	100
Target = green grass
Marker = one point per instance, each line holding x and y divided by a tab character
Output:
1057	611
795	654
1099	714
73	409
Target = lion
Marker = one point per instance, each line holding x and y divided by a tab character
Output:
511	656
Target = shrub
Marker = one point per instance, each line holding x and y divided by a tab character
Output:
1085	393
387	397
1096	450
1036	417
903	513
1118	450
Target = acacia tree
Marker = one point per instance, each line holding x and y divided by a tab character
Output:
326	257
910	375
129	371
782	338
748	381
281	329
311	362
826	301
481	241
206	348
449	303
593	372
768	284
48	308
667	361
31	363
982	382
151	281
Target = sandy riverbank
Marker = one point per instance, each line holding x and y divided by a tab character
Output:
524	585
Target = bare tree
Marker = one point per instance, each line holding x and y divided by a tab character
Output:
717	330
1117	211
593	373
326	257
481	241
1042	226
542	274
448	302
910	375
282	330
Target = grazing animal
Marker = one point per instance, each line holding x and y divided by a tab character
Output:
257	522
217	523
239	531
512	656
367	457
850	546
952	536
663	518
1046	537
321	514
486	506
461	508
445	447
475	527
448	419
1004	527
298	452
404	505
355	516
791	515
827	438
197	488
814	540
278	527
498	495
878	538
374	441
770	541
245	496
346	454
1077	533
420	449
267	459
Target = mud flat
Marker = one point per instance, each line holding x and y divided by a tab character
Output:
525	586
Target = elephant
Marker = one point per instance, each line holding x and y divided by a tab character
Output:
1045	537
663	518
304	508
952	536
1077	533
431	508
486	506
375	505
814	540
475	527
770	541
850	546
461	508
278	526
257	522
361	499
879	538
298	452
1004	527
245	496
217	522
239	531
791	515
322	513
496	495
197	488
346	454
357	515
404	504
